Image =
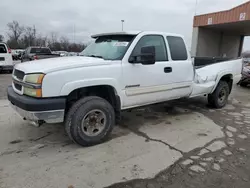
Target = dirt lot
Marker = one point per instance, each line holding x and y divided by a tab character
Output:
177	144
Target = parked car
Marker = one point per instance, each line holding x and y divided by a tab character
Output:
61	53
118	71
6	61
37	53
17	54
245	79
72	54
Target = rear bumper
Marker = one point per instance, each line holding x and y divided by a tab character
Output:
49	110
245	80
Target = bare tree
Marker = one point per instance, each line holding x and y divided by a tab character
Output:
1	38
41	41
53	37
54	44
29	37
15	31
64	43
22	37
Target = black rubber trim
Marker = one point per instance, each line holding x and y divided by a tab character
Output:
33	104
8	67
117	109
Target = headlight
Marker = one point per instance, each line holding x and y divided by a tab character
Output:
34	78
32	92
35	83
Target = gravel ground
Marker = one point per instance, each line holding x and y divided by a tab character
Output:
224	168
5	81
179	144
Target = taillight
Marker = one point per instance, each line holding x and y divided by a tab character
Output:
9	50
35	57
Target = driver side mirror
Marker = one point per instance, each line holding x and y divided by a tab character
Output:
146	57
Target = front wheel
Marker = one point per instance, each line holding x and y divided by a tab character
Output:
90	121
218	99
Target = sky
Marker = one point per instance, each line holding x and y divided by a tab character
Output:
78	19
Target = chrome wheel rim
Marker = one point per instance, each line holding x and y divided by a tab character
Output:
93	122
222	95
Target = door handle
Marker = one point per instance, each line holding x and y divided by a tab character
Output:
168	69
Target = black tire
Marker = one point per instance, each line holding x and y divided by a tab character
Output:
243	84
215	99
76	114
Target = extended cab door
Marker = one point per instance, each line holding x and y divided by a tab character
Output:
182	67
146	84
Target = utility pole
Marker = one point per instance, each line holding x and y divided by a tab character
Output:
195	10
122	23
74	30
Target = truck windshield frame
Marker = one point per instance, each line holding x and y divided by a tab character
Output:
112	47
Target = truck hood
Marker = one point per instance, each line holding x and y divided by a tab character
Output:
60	63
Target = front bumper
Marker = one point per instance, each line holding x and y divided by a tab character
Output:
50	110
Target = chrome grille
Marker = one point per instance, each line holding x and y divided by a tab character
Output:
17	77
18	86
19	74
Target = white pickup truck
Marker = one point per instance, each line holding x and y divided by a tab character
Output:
116	72
6	61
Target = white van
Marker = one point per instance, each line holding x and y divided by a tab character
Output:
6	61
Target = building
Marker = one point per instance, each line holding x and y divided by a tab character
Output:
221	34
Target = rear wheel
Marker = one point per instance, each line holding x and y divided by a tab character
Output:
219	97
90	121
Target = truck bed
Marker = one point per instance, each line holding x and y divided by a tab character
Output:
207	77
204	61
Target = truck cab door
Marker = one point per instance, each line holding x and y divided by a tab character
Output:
146	84
182	67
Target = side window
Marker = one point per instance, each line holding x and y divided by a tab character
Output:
3	49
177	48
152	40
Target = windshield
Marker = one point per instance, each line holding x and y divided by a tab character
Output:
109	47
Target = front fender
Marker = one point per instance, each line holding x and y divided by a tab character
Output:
71	86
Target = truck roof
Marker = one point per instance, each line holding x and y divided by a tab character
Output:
135	33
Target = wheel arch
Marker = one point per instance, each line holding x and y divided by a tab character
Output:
227	77
107	92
